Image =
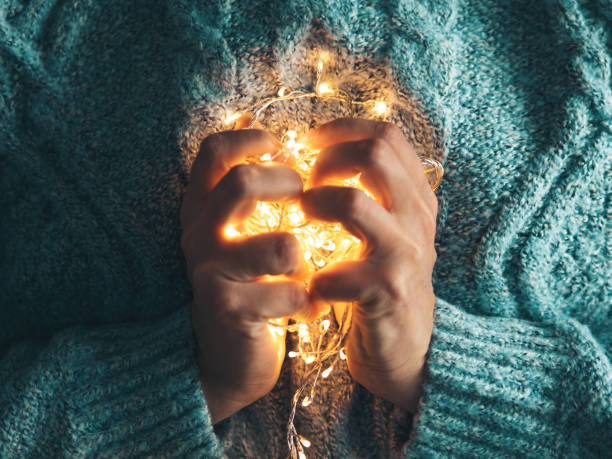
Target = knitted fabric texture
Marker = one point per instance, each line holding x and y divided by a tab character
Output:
102	108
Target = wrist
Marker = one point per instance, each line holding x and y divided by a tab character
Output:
219	405
400	384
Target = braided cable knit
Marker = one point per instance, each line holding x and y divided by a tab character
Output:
102	108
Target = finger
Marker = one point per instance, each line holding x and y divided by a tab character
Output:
263	300
235	196
263	254
220	151
344	281
359	214
352	129
375	159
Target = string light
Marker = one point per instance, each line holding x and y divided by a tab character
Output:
322	243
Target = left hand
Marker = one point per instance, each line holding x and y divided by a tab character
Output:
392	285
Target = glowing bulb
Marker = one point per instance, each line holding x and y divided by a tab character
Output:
231	117
380	108
294	218
322	244
324	88
230	232
276	330
329	245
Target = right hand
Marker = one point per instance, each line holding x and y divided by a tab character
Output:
239	357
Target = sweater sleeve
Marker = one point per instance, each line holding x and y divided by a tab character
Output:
507	387
130	390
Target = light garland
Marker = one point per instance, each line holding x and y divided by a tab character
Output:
322	243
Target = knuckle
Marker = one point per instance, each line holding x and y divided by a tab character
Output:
225	303
212	148
394	283
285	252
240	179
377	152
216	295
352	201
388	131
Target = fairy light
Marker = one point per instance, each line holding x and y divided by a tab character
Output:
231	117
230	232
322	243
380	108
324	89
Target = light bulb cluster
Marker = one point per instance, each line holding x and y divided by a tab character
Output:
321	243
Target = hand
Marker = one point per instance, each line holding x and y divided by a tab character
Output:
239	357
392	285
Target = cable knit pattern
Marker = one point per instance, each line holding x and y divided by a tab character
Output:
102	108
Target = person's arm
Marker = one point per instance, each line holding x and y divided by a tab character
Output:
130	390
494	386
507	387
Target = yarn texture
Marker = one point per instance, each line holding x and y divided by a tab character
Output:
102	108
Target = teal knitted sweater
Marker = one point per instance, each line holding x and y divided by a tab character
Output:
102	105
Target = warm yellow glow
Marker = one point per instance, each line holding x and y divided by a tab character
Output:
230	232
278	331
321	243
231	117
380	108
324	89
325	373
